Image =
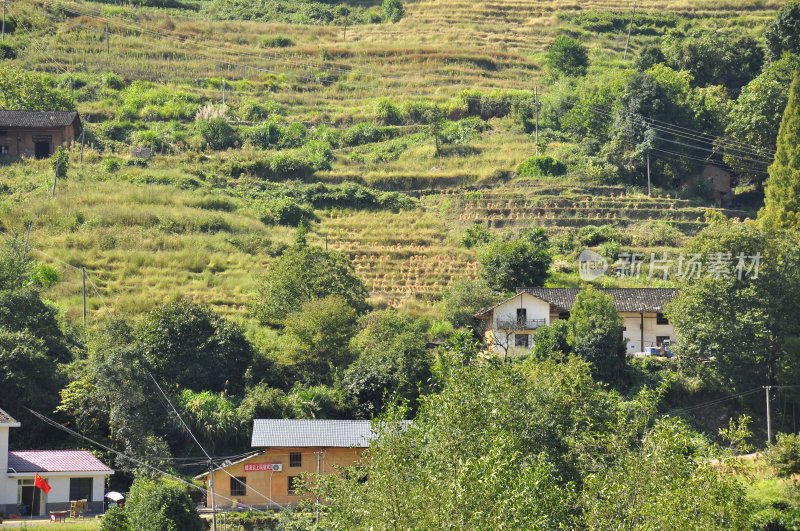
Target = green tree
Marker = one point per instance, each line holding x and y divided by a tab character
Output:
393	10
392	364
782	202
551	341
27	90
161	505
465	298
515	262
755	118
783	33
305	273
746	324
714	58
568	56
595	333
321	330
187	345
212	417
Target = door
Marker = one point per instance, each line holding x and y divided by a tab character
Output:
41	150
31	497
522	317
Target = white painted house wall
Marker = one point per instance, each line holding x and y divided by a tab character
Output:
8	487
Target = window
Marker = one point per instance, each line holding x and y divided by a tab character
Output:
295	459
239	486
522	340
563	315
80	489
3	150
294	484
522	317
660	319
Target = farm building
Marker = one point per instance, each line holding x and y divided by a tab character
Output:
511	324
73	476
287	449
37	133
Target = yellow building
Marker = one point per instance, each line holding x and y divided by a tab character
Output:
288	449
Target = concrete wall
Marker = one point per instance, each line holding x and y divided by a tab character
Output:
499	337
22	141
258	483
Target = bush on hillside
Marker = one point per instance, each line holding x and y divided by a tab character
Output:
275	41
567	56
387	113
784	455
592	235
286	211
217	133
366	133
160	504
7	51
542	166
476	235
393	10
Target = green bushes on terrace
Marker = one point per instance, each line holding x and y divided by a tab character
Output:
305	11
542	166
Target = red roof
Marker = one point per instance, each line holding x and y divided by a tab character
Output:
54	461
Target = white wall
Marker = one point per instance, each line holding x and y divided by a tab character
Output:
536	308
632	323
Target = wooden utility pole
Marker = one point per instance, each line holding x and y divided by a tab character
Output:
223	92
83	277
55	178
83	132
108	40
648	174
630	27
213	501
346	15
27	239
769	415
3	32
536	112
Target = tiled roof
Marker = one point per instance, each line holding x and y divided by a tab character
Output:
304	433
37	118
625	299
5	418
54	461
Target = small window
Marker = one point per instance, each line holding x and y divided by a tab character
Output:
563	315
295	459
80	489
294	484
522	340
239	486
660	319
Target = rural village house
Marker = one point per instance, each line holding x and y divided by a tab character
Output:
72	474
512	324
36	133
288	448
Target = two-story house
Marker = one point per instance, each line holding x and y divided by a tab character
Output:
511	324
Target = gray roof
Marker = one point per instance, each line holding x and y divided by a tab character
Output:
625	299
5	418
38	119
272	433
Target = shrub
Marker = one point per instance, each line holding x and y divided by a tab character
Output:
387	113
393	10
365	133
541	166
462	131
784	455
111	164
7	51
592	235
216	133
254	111
286	211
494	104
275	41
475	236
653	233
112	81
115	519
567	56
160	504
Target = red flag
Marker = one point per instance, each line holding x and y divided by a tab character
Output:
41	483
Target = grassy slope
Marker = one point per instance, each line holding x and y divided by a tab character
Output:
123	230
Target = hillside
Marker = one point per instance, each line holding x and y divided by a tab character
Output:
190	223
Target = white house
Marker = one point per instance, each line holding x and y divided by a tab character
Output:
71	474
511	324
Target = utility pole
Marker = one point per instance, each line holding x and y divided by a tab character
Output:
319	457
3	33
346	15
108	40
83	132
27	239
55	177
536	111
769	416
223	92
83	277
648	174
630	27
213	500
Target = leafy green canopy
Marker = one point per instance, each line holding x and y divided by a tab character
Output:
31	91
782	202
783	34
568	56
595	333
304	273
541	446
515	262
160	505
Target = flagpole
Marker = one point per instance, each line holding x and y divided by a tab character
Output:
33	496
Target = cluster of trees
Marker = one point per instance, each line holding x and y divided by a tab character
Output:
309	11
728	85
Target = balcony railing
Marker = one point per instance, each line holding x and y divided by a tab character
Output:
521	324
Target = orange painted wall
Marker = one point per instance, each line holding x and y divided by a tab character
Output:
258	483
